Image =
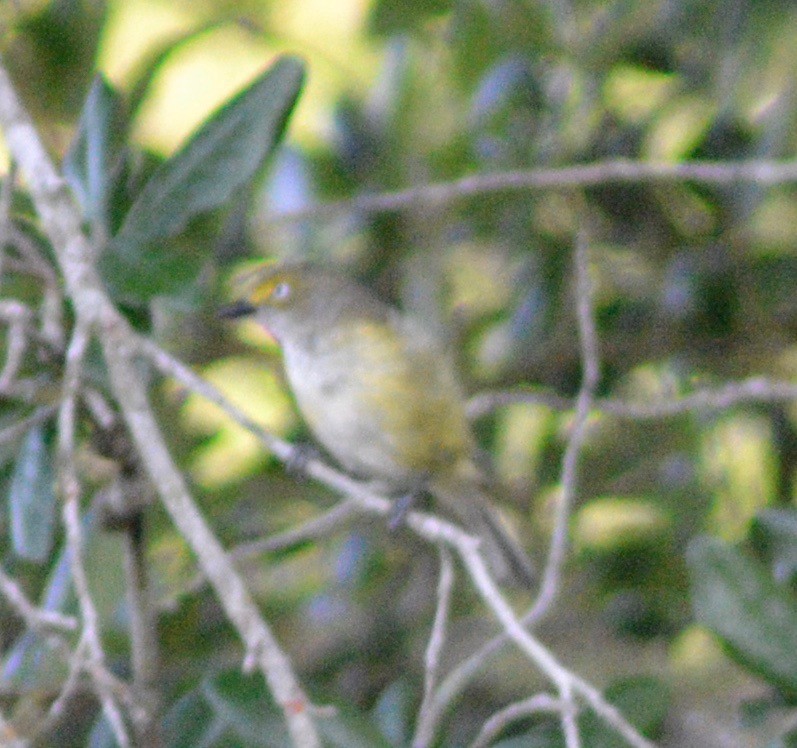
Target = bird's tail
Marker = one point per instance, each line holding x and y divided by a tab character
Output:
463	496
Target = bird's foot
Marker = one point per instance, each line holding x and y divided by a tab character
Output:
402	506
297	463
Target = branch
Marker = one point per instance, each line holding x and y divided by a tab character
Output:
745	392
314	529
61	222
494	726
70	491
588	337
261	646
20	428
460	676
424	731
35	618
568	684
611	171
429	527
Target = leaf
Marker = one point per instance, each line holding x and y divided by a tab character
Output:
220	158
392	712
232	709
31	499
644	702
774	534
756	619
151	63
95	152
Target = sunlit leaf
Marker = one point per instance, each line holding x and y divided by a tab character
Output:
222	157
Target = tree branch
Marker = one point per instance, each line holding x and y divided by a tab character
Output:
424	731
62	223
611	171
588	337
745	392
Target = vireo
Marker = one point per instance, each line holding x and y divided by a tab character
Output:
380	394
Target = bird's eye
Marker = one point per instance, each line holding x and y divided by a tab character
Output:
281	291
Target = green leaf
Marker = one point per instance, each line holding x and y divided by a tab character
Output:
774	535
232	709
393	712
151	63
229	709
220	158
643	701
756	619
31	499
95	153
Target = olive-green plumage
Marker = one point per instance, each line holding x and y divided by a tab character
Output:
379	394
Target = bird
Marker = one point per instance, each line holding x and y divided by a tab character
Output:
379	393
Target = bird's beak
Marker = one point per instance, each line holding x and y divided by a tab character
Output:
236	310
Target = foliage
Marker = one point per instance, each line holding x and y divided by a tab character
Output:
680	521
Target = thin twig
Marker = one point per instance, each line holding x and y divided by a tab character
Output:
314	529
68	688
17	430
744	392
461	675
35	618
70	490
18	317
568	684
611	171
578	433
493	727
171	366
423	736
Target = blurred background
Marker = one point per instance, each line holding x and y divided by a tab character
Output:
695	288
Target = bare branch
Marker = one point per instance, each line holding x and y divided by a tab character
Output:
261	646
578	433
61	222
424	731
173	367
18	317
568	684
68	688
314	529
35	618
70	490
20	428
611	171
745	392
494	726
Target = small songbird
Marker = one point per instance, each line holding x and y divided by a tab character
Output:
380	395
